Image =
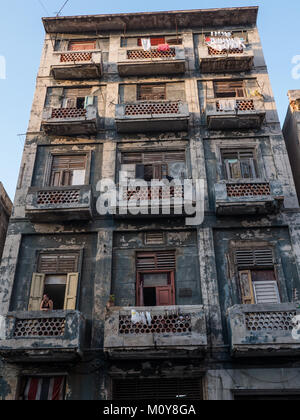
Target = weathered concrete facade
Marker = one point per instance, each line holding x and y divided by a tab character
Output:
207	296
5	212
291	132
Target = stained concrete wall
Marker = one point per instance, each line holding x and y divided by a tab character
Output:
201	263
291	132
5	212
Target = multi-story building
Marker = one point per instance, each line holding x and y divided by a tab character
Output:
151	306
291	132
5	212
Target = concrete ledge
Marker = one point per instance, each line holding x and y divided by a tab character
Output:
32	347
62	209
263	330
164	344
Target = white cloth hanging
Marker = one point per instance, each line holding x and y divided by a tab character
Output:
227	104
146	44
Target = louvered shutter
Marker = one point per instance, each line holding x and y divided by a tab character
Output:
154	238
246	287
160	260
36	291
151	92
247	258
58	264
266	292
71	291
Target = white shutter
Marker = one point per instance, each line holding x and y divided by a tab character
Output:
129	169
266	292
89	100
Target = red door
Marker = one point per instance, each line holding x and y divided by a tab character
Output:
164	296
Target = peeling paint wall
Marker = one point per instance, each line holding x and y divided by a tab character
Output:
109	245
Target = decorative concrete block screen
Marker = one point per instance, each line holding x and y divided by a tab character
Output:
168	323
269	321
148	108
241	105
248	190
58	197
141	54
154	193
43	327
68	113
78	56
212	51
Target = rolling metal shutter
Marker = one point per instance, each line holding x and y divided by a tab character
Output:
158	389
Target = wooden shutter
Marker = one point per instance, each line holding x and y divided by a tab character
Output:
151	92
36	291
229	89
246	287
160	260
58	263
63	167
89	100
154	41
82	45
164	296
260	257
71	291
69	103
154	238
266	292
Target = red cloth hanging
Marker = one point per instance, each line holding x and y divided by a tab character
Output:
163	47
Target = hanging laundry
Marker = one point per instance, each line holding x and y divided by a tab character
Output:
225	43
141	317
227	105
163	47
146	44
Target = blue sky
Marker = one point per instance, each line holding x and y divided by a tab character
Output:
22	39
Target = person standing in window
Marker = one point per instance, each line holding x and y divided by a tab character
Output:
46	304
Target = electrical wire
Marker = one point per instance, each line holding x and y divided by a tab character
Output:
65	3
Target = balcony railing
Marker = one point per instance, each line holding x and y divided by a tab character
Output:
168	199
248	197
264	330
226	60
135	62
70	121
232	114
152	116
42	336
59	203
168	331
77	65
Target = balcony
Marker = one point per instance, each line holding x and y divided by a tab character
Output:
77	65
263	330
166	331
50	204
42	336
244	114
155	201
244	197
226	61
70	121
140	117
137	62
